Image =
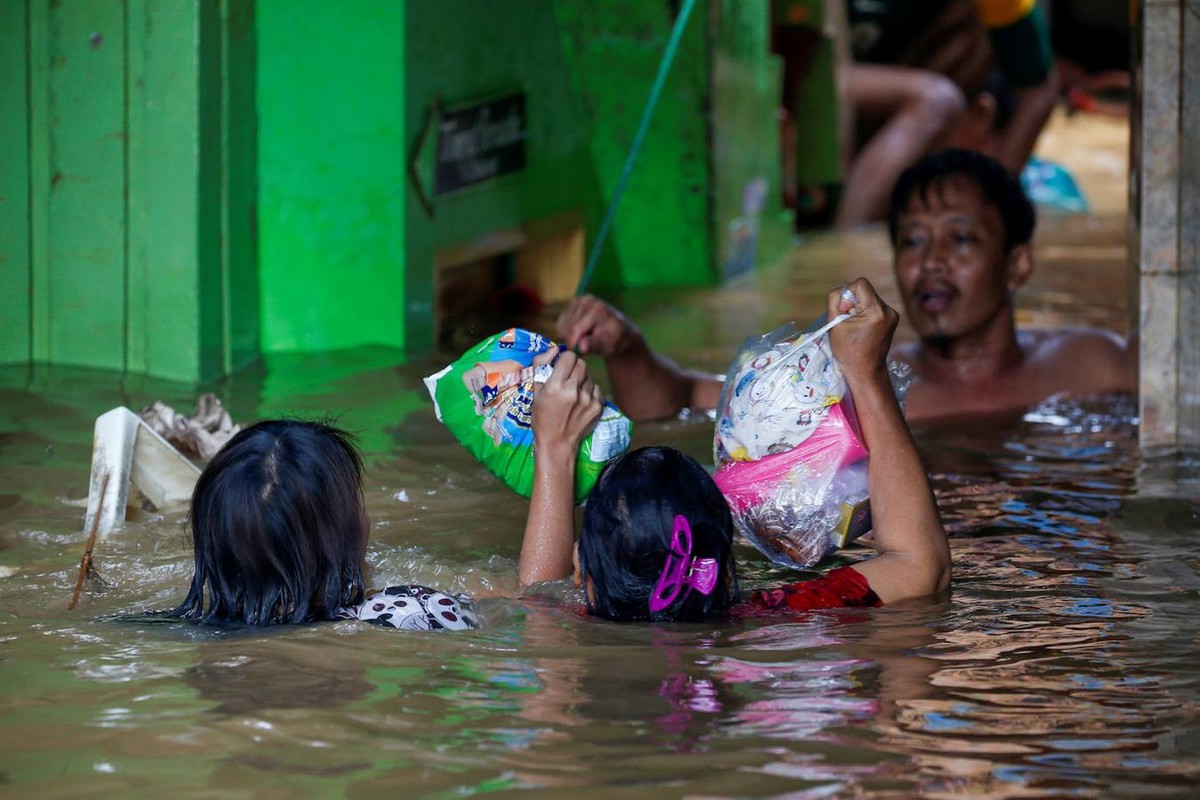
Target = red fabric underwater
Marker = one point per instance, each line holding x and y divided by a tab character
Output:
839	588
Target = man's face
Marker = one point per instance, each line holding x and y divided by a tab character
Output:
951	266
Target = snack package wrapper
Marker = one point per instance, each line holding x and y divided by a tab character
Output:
485	398
789	458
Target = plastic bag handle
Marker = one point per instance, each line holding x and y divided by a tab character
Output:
808	338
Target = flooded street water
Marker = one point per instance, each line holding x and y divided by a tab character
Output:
1063	665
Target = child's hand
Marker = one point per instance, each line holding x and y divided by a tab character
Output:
593	327
861	343
566	406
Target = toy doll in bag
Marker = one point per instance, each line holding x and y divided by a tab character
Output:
485	398
789	458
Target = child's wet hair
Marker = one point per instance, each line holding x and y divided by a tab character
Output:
628	523
998	186
279	527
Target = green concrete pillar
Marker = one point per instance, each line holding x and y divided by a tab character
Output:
128	213
15	275
333	158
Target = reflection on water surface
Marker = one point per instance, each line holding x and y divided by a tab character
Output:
1063	666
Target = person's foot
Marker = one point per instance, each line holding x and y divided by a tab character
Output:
975	126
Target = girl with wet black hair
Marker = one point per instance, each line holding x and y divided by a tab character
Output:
657	536
279	533
650	507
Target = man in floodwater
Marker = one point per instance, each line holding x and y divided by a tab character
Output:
961	229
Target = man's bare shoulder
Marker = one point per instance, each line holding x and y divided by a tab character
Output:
1074	342
1091	359
1073	361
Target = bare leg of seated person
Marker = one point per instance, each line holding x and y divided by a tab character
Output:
916	108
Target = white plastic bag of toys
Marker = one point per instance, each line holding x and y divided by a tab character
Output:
789	457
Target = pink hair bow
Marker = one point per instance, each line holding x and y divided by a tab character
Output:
682	572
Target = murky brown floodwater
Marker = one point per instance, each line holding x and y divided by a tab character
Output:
1063	666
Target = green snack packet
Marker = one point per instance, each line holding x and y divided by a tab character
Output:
485	398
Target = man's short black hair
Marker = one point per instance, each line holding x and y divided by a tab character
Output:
998	186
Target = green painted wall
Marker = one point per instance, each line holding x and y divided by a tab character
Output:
818	139
662	233
748	222
118	250
16	277
77	183
461	51
346	92
198	183
332	161
239	185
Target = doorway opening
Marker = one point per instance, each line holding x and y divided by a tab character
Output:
506	279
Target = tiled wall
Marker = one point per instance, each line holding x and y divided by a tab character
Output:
1166	222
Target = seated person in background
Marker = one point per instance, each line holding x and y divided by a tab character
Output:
977	74
1092	42
657	534
961	230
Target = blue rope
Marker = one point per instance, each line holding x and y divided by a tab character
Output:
663	68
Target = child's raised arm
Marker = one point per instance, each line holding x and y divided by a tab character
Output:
914	558
564	410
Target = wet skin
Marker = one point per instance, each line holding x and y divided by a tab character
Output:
956	281
954	275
